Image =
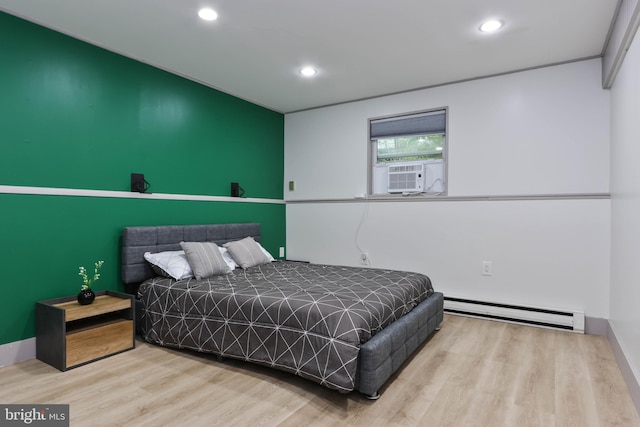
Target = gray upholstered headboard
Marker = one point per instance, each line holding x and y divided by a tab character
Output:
138	240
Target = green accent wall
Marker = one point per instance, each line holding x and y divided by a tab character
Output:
73	115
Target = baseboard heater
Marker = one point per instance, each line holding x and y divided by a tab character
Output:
567	320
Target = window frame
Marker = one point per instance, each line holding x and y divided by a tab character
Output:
372	153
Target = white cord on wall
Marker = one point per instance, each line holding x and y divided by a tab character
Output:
363	218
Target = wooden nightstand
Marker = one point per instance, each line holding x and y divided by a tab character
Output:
69	334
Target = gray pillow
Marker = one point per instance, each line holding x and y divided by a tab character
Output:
247	252
205	259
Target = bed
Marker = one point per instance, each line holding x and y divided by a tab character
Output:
321	322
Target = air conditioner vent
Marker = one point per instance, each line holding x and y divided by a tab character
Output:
406	168
405	177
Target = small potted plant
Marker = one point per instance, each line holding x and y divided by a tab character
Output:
86	295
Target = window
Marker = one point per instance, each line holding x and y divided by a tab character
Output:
408	154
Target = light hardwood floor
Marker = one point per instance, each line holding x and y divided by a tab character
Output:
471	373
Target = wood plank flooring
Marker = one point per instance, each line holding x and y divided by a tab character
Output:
471	373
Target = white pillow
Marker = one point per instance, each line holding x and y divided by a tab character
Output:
174	263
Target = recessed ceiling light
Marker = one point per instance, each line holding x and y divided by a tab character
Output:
308	71
490	26
208	14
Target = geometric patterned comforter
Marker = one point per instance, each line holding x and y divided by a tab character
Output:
307	319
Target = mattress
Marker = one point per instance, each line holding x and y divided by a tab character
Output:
306	319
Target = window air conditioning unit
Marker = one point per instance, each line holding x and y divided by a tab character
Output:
405	177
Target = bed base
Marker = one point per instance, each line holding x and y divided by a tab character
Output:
379	358
385	352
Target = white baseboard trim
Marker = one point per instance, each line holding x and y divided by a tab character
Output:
596	326
627	373
18	351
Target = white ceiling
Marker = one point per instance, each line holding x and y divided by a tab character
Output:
362	48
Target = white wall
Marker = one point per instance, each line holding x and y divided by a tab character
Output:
543	253
625	207
543	131
537	132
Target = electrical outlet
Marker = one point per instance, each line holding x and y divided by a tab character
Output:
281	254
486	268
364	258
